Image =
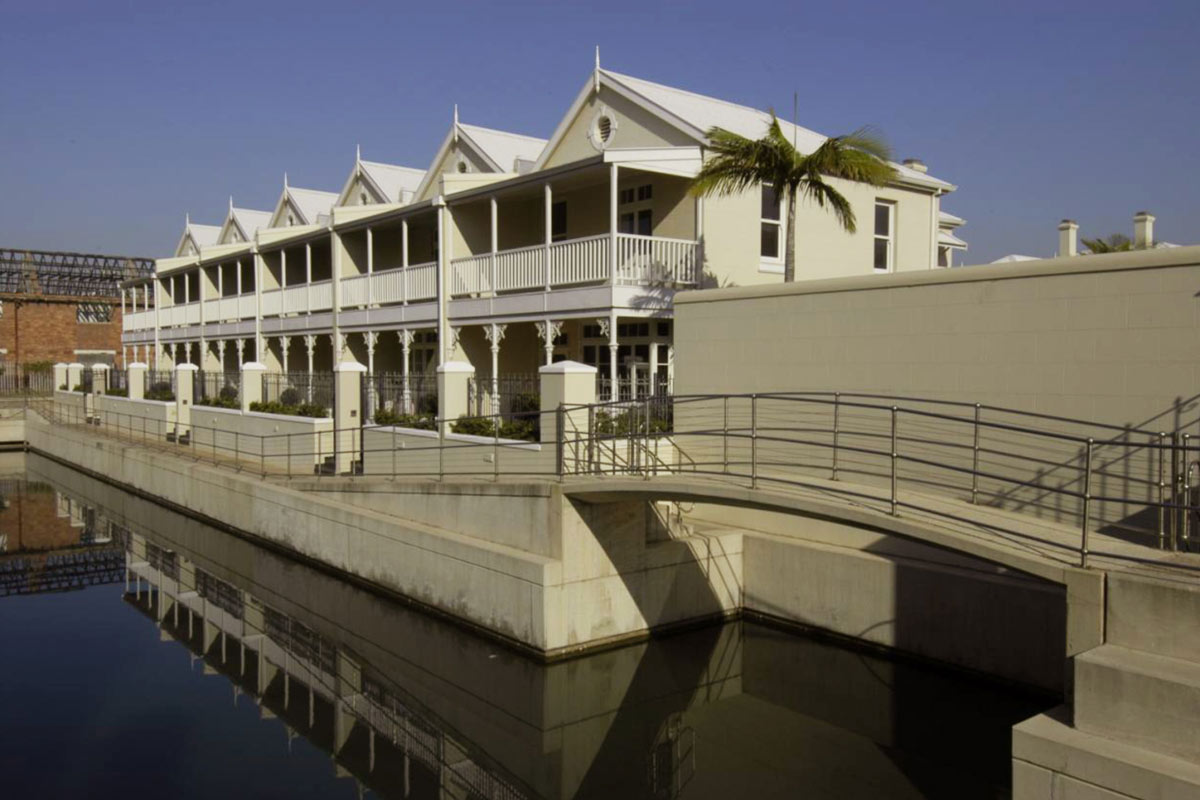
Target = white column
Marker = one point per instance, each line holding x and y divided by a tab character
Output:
284	343
612	224
221	353
404	259
494	333
609	327
495	242
348	418
653	364
310	341
239	278
548	331
220	281
371	338
308	276
370	268
240	344
123	292
259	349
549	204
406	339
444	355
187	289
282	270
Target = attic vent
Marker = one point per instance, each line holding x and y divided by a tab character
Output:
603	128
462	167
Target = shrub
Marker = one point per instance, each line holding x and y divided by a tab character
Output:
219	402
38	366
519	429
228	393
62	387
315	410
117	392
78	387
473	426
160	391
428	404
422	422
290	397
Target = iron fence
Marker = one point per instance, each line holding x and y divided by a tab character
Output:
160	384
388	391
16	379
631	386
516	395
215	386
299	388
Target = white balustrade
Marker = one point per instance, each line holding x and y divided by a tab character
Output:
388	287
354	291
471	275
272	302
191	313
522	268
422	281
246	306
322	295
656	260
295	300
579	261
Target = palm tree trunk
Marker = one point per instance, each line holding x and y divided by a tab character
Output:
789	251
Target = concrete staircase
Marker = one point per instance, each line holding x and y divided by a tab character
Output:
1133	727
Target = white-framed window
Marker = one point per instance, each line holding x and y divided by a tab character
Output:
771	239
637	210
885	236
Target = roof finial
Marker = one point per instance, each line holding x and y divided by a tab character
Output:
230	204
596	72
187	219
358	153
456	123
285	183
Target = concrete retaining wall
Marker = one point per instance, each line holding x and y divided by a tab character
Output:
389	450
273	438
154	418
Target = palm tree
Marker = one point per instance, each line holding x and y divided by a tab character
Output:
1113	243
739	164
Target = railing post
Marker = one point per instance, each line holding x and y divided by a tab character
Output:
837	407
591	442
895	458
1162	493
288	436
646	455
725	437
754	441
393	452
1186	500
1174	517
560	427
495	447
1087	503
975	458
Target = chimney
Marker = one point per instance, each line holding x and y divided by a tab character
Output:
917	164
1068	238
1143	230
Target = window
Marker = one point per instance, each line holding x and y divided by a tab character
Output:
885	223
558	221
626	196
604	128
93	312
639	222
771	225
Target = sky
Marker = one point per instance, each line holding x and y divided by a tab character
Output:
118	117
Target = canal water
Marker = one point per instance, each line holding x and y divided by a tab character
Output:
145	653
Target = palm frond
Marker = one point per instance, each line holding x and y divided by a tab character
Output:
824	196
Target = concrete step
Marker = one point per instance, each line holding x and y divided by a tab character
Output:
1144	699
1052	760
1155	615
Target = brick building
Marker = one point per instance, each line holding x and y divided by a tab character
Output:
63	306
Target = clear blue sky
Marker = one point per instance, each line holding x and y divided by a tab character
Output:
117	117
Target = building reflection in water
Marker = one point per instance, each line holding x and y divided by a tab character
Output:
411	706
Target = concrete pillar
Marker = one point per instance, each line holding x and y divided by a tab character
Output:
185	376
347	413
74	375
137	380
60	376
452	379
1143	230
1068	238
252	382
566	382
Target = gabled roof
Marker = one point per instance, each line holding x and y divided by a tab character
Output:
311	205
1013	257
948	220
201	236
695	114
499	150
950	240
247	221
390	183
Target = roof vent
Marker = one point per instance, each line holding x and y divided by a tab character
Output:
916	164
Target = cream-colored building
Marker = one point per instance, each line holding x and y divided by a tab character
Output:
511	251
